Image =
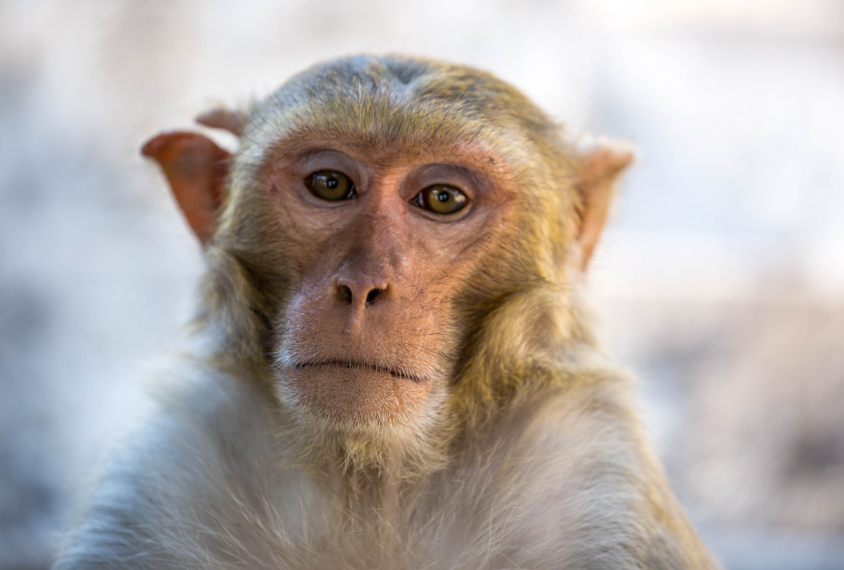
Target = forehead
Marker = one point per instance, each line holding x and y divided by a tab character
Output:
476	159
393	107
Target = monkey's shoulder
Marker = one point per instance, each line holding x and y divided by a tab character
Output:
558	476
202	477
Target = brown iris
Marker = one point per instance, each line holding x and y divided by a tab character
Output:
441	199
330	185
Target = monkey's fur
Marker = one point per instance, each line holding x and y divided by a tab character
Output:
527	453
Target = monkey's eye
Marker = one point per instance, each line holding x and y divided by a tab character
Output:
441	199
330	185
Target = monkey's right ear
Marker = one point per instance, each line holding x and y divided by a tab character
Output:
196	169
222	118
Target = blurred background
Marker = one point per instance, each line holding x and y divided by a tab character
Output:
721	280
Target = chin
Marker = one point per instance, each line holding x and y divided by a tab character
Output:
363	409
357	394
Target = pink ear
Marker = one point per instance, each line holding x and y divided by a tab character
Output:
196	169
598	175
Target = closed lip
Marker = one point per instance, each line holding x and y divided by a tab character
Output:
339	363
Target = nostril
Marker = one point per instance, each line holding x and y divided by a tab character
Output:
370	297
347	293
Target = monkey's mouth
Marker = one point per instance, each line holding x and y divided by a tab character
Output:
357	392
361	366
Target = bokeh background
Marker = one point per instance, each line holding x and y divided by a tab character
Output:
721	280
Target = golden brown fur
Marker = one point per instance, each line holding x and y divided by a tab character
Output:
479	425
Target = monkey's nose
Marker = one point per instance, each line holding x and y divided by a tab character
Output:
358	293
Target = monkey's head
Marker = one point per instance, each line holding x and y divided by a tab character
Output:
383	222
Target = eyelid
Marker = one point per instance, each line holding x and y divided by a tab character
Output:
329	159
465	179
323	156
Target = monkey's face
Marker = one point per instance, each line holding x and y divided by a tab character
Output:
378	214
379	245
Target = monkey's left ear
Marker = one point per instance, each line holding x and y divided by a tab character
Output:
196	169
598	173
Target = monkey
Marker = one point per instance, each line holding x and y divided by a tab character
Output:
393	364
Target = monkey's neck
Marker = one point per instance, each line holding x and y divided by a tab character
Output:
373	487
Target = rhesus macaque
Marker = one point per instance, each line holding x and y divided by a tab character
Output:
394	367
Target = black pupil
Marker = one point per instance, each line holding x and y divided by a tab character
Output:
443	196
331	183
